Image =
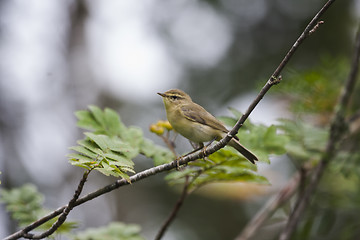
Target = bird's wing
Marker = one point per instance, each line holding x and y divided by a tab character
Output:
200	115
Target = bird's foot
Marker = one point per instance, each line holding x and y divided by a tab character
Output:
177	161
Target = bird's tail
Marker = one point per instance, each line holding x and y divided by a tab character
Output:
245	152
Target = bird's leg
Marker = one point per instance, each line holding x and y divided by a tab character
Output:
201	145
204	148
181	157
177	162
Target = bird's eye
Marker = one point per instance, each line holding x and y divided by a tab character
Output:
174	98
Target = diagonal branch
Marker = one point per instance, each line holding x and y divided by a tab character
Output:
274	79
337	130
64	214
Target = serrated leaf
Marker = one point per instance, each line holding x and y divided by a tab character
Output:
98	115
133	135
87	121
176	177
120	160
117	145
162	157
125	176
297	151
127	169
274	142
113	231
26	206
112	122
112	144
148	148
307	142
101	140
90	145
80	158
106	172
223	165
84	151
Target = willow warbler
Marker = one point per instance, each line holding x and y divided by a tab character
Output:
195	123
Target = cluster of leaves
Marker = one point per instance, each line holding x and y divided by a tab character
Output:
222	166
262	140
336	203
315	90
111	146
114	231
26	206
227	165
313	94
306	142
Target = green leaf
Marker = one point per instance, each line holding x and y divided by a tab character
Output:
228	121
101	122
120	160
162	156
275	142
87	121
224	165
148	148
90	145
110	146
76	158
228	164
315	90
112	123
84	151
98	115
114	231
134	136
26	206
307	142
101	140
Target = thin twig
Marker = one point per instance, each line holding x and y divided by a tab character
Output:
272	205
65	213
336	132
274	79
176	209
269	208
169	143
184	194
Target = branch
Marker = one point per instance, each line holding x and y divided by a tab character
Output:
176	209
337	130
275	77
273	80
65	213
269	208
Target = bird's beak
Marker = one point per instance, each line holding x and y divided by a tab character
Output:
162	94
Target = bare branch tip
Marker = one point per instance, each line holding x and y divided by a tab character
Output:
316	27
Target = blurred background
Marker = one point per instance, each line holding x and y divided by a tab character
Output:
57	57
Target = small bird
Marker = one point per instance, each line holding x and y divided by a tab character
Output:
195	123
